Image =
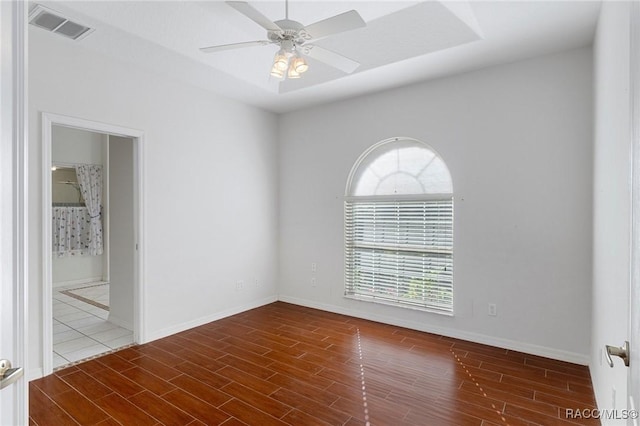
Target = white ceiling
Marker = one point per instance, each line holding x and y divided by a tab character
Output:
404	41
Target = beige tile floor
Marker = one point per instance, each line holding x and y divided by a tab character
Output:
81	330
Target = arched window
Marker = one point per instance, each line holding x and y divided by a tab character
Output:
399	227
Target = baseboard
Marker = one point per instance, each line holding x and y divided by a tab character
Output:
154	335
77	282
484	339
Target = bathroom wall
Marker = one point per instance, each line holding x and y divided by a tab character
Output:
121	231
74	146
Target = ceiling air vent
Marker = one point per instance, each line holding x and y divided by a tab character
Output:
53	21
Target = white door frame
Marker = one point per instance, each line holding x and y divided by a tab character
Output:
48	121
633	377
13	205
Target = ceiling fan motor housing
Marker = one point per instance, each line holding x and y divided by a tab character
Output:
292	31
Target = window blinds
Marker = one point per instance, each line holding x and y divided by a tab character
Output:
400	252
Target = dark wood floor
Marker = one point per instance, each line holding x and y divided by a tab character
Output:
286	364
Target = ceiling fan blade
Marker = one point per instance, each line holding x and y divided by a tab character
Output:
330	58
222	47
347	21
250	12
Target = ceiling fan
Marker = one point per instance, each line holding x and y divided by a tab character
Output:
295	40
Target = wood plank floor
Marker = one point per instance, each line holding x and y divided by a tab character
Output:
285	364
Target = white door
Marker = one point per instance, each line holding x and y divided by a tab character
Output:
13	388
633	378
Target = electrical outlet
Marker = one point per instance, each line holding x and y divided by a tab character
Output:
313	281
239	285
314	266
256	282
492	310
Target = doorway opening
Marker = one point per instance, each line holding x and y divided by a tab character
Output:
92	224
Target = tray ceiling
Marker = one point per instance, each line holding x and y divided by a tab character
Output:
403	42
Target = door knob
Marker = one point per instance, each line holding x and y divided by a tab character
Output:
8	375
622	352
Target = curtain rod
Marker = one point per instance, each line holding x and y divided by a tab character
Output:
63	164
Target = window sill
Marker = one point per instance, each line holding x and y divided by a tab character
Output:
398	305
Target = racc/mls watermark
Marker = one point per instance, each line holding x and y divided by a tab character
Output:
601	414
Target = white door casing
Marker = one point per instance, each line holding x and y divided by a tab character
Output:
13	205
48	121
633	377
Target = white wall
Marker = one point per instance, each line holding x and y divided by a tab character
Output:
76	270
74	146
121	232
213	225
611	200
518	141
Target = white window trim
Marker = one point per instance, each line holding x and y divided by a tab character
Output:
399	197
363	161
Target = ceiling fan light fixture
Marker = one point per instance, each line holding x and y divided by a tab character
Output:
277	73
281	60
299	65
290	35
292	73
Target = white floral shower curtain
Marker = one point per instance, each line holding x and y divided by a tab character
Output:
71	231
90	181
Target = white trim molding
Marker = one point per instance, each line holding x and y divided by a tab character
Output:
159	334
633	375
484	339
138	136
90	280
14	209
